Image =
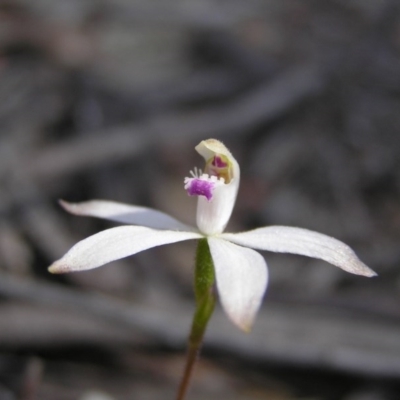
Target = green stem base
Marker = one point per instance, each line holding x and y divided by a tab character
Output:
204	280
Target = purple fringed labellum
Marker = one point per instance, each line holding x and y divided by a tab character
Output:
203	185
199	187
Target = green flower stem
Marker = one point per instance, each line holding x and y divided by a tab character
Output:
204	280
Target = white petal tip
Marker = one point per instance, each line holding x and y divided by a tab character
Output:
85	208
245	326
58	268
369	273
244	322
70	207
357	267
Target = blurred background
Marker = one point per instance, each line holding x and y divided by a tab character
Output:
107	99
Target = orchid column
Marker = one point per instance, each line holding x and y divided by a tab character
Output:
216	189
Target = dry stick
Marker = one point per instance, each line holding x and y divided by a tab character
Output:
261	105
359	340
36	216
32	379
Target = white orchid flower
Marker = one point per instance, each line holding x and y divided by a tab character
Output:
241	273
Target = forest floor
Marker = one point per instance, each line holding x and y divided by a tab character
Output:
106	100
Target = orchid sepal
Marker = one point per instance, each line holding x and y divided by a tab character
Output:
287	239
114	244
126	214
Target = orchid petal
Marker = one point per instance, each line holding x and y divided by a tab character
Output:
284	239
241	276
213	215
126	214
113	244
